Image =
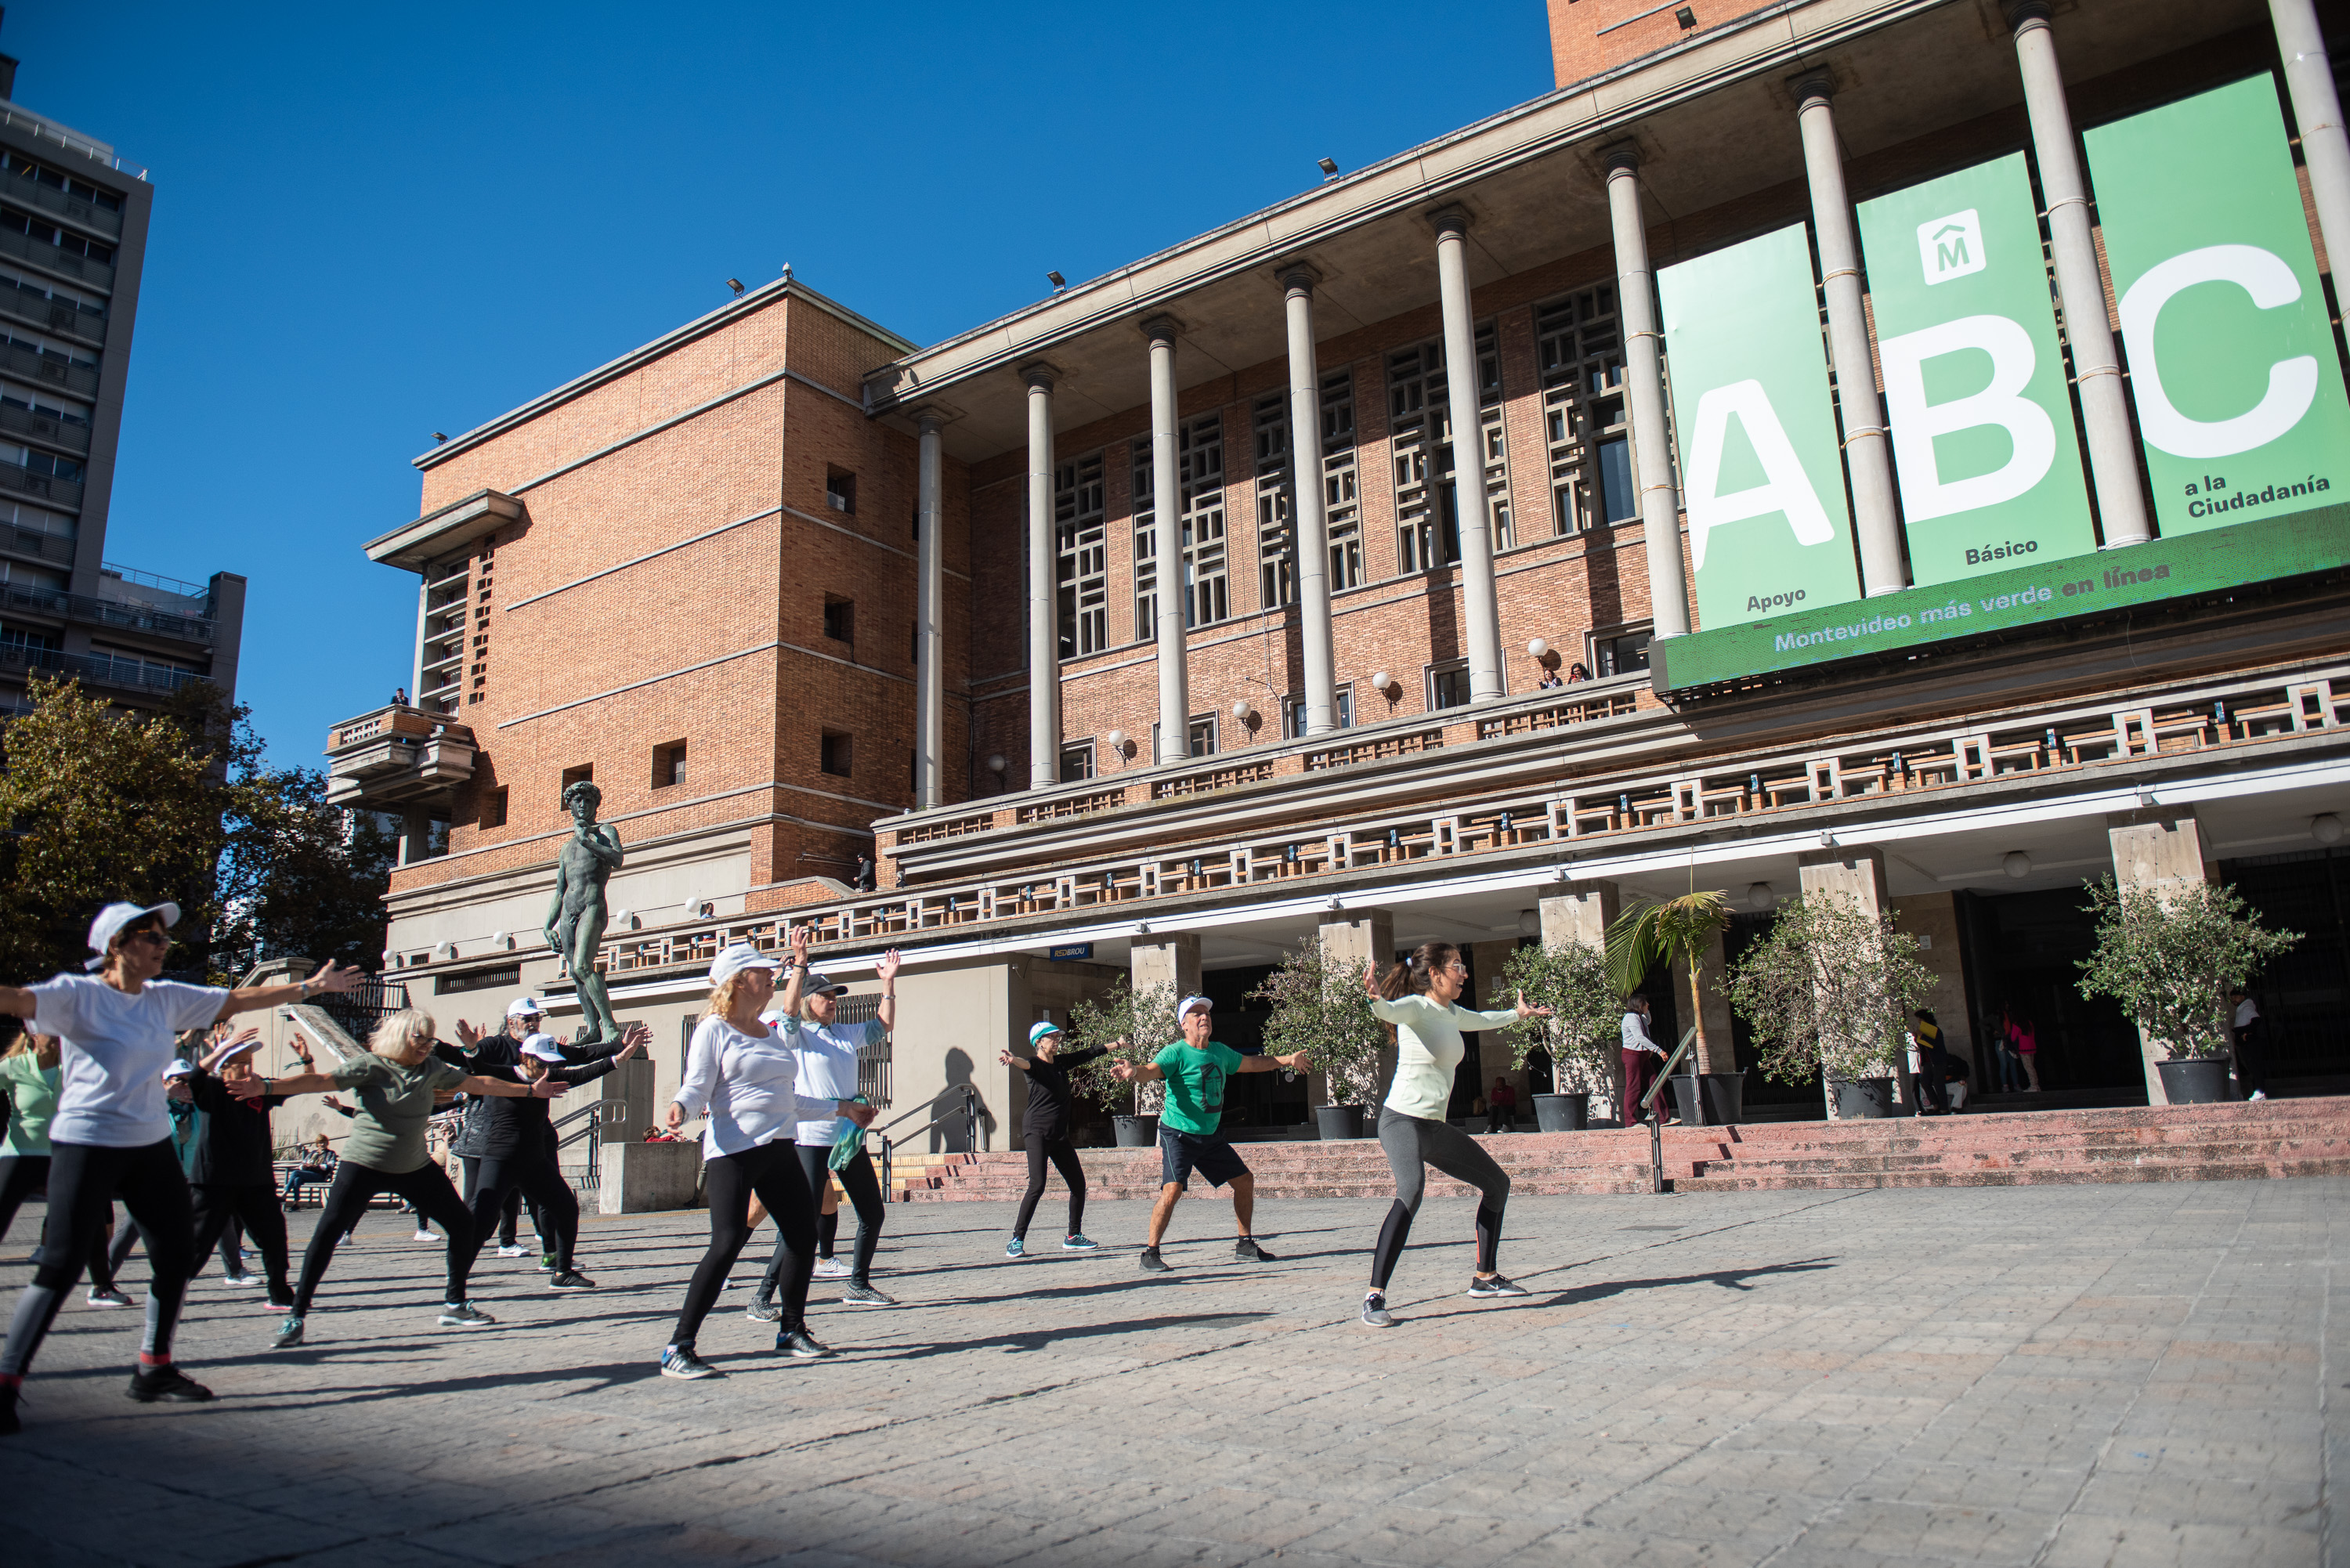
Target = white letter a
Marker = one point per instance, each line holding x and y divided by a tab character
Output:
1785	486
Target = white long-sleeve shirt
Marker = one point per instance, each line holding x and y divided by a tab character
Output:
1429	1049
745	1082
1636	1034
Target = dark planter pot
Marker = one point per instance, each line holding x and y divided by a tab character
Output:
1725	1098
1865	1099
1336	1122
1137	1132
2198	1081
1562	1113
1685	1098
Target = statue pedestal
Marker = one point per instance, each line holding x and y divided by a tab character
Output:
639	1178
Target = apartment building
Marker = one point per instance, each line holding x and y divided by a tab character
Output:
1881	425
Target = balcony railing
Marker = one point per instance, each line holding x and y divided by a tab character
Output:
400	754
96	669
47	369
45	487
115	613
45	428
27	192
41	128
52	258
32	307
35	543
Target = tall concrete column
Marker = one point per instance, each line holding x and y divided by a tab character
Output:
1868	451
2318	110
1166	500
1858	874
1174	961
1044	618
1582	914
1480	611
2159	851
930	640
1652	454
1356	938
1313	519
2080	286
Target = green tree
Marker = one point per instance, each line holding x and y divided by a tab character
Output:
1133	1028
1584	1029
1680	928
2170	961
300	877
1319	1007
1830	988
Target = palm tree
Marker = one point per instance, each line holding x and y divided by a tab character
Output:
1682	927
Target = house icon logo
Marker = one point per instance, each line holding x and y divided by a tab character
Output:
1950	247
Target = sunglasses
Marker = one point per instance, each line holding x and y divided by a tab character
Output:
148	934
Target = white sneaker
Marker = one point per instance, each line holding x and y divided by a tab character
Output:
244	1281
2257	1094
424	1235
513	1251
831	1268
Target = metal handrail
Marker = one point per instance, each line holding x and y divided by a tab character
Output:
598	1114
1655	1127
970	1113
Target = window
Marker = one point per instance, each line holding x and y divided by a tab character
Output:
1341	507
1083	539
65	240
834	755
18	639
1276	524
494	808
1146	544
1200	731
1427	520
1292	713
1579	344
840	490
1076	762
668	764
1207	597
584	772
57	180
1448	684
1619	652
840	618
478	979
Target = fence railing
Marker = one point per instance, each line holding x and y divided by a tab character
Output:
23	247
127	614
97	669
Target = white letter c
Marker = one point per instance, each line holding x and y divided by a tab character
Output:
2293	383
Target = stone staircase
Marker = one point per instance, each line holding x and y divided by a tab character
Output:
2167	1143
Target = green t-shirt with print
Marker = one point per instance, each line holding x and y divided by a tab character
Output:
1195	1084
395	1104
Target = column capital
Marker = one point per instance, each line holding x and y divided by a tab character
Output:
929	419
1814	85
1450	219
1297	275
2021	12
1162	328
1037	373
1623	158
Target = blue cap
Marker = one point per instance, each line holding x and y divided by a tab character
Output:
1042	1030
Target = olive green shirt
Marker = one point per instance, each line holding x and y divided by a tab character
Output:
395	1104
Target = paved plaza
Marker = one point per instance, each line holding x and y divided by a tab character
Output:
2131	1374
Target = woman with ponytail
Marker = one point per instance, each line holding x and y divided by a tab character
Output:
1420	999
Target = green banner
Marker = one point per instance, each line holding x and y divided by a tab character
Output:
2254	552
1760	473
2233	363
1984	443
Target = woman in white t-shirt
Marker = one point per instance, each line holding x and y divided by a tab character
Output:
739	1072
111	1136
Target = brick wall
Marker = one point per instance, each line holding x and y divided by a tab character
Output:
1579	48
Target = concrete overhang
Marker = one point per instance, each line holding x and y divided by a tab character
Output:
1713	120
414	546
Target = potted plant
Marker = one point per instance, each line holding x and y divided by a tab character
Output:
1830	987
2170	958
1133	1027
1586	1010
1319	1007
1682	928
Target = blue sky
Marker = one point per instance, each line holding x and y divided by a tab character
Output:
375	221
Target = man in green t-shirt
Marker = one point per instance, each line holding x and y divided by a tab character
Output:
1190	1139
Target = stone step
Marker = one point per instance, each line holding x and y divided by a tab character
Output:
2152	1170
2266	1152
2332	1140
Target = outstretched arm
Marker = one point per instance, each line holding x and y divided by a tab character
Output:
1146	1072
330	980
888	1013
1009	1060
1295	1062
788	1002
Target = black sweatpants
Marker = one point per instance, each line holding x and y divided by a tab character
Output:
356	1186
1063	1156
1411	1144
527	1174
84	1182
772	1172
510	1215
21	1176
864	1189
221	1207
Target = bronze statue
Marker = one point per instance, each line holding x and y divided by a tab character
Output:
574	923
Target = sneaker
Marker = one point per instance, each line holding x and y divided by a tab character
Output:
1074	1241
571	1279
831	1268
167	1383
109	1297
1496	1286
763	1310
679	1360
512	1252
855	1294
244	1281
1374	1311
423	1235
546	1262
279	1304
802	1346
2257	1094
463	1315
1015	1247
289	1334
1152	1263
1247	1252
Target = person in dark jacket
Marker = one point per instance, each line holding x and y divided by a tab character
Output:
231	1173
524	1015
1045	1130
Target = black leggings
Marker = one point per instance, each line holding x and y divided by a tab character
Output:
772	1172
1411	1144
356	1186
502	1177
1063	1156
22	1174
864	1189
222	1209
84	1180
510	1216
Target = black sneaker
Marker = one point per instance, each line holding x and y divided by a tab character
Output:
167	1383
1375	1310
463	1315
679	1360
801	1345
109	1297
570	1280
1152	1263
855	1294
763	1310
1496	1286
1247	1252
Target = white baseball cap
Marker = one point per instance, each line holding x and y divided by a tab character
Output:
542	1046
525	1007
1184	1007
738	958
114	916
177	1070
1042	1030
